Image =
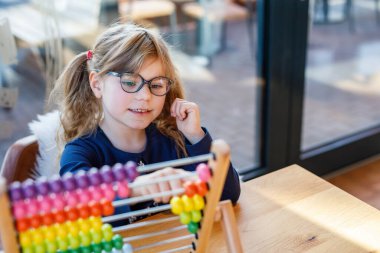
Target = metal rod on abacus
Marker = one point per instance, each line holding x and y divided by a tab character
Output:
117	217
143	224
176	239
152	196
147	235
161	179
174	163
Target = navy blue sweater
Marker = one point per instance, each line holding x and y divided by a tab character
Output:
96	150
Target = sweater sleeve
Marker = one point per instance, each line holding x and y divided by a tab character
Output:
77	156
231	188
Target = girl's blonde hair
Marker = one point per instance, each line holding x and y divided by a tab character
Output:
121	48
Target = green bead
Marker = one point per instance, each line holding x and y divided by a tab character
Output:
74	242
117	241
96	236
51	247
62	244
28	249
196	216
85	239
192	227
185	218
106	227
107	246
39	248
74	251
85	249
97	248
107	235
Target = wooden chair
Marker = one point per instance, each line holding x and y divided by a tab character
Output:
20	159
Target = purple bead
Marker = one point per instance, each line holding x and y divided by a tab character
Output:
15	191
69	182
29	188
56	184
95	177
107	174
82	179
119	172
131	168
43	186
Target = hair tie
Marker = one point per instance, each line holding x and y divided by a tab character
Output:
89	54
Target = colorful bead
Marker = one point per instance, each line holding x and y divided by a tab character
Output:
49	233
51	247
39	248
84	196
35	221
204	172
96	193
56	184
29	249
72	199
107	246
29	189
26	239
84	211
176	205
107	174
60	231
108	192
38	236
74	241
192	227
131	169
33	207
188	204
85	249
95	177
73	228
96	223
119	172
72	214
15	191
123	190
185	217
202	188
96	236
22	224
107	207
19	210
117	241
59	202
69	182
196	216
82	179
63	244
199	202
42	185
190	188
45	204
97	247
95	208
127	248
84	225
59	216
48	219
85	239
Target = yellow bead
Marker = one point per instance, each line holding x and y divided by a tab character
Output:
96	223
176	205
185	218
85	225
188	204
73	228
199	202
60	230
25	239
196	216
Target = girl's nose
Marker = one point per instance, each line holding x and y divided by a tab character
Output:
144	93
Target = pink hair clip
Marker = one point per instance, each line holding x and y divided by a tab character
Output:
89	54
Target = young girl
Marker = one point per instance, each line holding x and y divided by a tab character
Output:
123	101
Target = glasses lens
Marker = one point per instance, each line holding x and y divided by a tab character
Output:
130	82
160	86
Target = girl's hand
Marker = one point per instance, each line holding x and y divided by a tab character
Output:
188	119
160	186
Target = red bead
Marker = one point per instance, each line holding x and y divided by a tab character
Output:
22	224
95	208
190	188
59	216
84	211
72	214
48	219
202	188
35	221
107	207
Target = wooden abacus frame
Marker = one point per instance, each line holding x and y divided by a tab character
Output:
213	211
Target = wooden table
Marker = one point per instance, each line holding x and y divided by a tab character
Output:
292	210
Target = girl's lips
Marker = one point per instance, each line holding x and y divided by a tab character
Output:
140	110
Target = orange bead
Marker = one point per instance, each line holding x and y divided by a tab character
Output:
202	188
190	188
107	207
59	216
22	224
35	221
95	208
84	211
47	219
72	214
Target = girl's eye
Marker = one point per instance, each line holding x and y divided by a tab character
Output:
128	83
156	86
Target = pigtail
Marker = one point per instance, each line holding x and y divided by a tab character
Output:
80	109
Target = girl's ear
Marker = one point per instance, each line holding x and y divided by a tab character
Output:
95	84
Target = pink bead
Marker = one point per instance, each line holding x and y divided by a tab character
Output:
123	190
33	207
203	172
19	210
84	196
45	204
96	193
72	199
59	202
108	192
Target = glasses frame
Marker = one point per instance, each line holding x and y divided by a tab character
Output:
148	82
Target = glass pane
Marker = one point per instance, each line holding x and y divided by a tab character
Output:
213	50
343	71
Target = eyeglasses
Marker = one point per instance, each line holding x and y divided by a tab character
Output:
132	83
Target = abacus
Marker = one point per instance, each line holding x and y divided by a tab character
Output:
72	213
